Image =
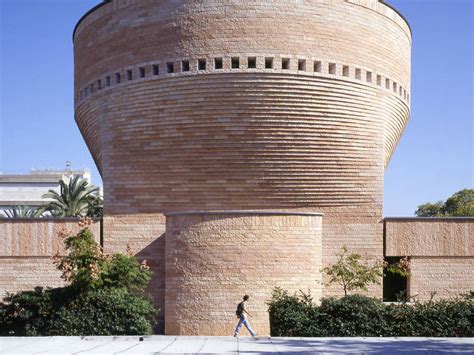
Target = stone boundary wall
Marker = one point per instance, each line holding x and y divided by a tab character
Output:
214	258
26	248
440	250
429	236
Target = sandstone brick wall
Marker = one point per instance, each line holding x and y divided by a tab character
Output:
429	236
446	276
26	248
358	228
303	114
145	234
213	259
441	253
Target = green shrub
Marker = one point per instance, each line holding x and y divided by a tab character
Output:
442	318
61	311
291	315
104	312
352	315
356	315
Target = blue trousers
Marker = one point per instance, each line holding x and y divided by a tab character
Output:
243	321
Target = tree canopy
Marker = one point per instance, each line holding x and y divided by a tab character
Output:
460	204
76	198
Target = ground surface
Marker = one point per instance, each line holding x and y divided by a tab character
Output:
243	345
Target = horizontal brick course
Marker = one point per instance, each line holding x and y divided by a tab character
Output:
444	277
167	139
26	249
214	259
429	237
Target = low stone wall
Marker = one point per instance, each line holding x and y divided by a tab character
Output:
26	248
214	258
441	253
446	276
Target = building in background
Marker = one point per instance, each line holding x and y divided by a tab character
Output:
27	189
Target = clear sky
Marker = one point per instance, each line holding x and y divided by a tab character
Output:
433	160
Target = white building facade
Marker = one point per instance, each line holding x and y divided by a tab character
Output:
27	189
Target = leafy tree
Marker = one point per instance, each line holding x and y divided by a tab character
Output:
352	273
76	198
430	209
23	211
460	204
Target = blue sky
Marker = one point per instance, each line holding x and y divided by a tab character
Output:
433	160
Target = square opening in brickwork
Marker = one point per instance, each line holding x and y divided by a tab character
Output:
235	62
317	66
268	63
345	70
394	285
400	91
170	67
368	77
358	73
395	87
387	83
217	63
107	81
379	80
185	65
332	68
117	78
141	72
252	62
285	63
404	94
156	69
129	75
201	64
92	88
99	84
301	65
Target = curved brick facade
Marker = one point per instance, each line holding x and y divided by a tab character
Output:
236	105
213	259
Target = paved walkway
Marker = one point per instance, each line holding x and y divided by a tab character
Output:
243	345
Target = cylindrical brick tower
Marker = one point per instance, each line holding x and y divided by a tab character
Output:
240	107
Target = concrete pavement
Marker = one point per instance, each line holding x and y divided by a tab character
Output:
213	345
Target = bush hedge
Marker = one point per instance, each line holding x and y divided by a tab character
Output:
62	311
356	315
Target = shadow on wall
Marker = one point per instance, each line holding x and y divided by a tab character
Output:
154	254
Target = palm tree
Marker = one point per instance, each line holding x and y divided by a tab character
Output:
23	212
76	198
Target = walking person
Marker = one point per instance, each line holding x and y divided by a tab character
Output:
242	315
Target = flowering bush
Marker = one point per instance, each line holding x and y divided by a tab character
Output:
104	296
87	267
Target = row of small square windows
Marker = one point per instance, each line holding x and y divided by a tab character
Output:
251	64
